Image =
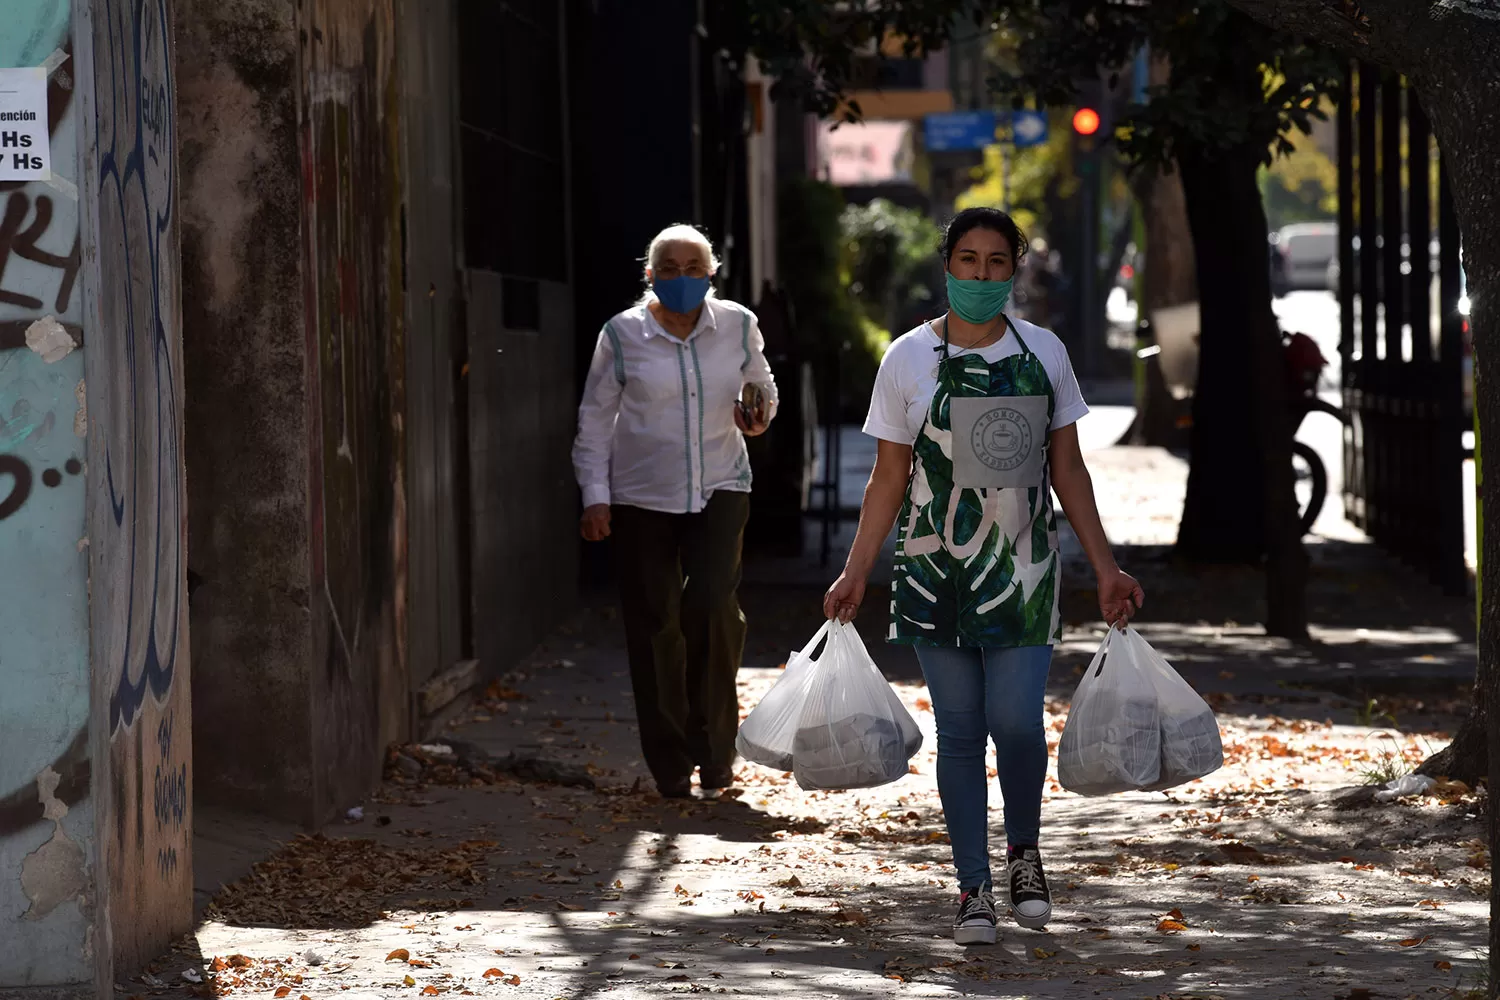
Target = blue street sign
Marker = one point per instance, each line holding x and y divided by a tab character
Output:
959	130
1028	128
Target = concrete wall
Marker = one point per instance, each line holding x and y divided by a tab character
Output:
46	811
246	403
141	715
295	355
354	319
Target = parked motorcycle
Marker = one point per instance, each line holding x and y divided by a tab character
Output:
1305	364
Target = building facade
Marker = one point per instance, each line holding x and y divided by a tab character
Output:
290	347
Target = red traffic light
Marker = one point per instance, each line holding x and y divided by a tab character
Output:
1085	121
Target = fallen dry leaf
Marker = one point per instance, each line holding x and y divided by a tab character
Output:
399	955
1440	964
430	991
1042	953
409	981
514	980
1413	942
492	973
1171	926
285	991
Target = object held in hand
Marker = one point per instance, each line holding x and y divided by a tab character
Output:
752	404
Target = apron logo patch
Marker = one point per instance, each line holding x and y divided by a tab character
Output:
1001	439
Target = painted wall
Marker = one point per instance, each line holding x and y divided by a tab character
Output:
46	814
141	710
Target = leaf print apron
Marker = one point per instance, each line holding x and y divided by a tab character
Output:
977	561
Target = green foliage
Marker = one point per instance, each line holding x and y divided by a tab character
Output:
890	256
810	252
1020	184
1302	186
1389	764
812	48
1235	84
814	271
890	271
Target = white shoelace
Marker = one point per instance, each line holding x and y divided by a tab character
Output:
1030	877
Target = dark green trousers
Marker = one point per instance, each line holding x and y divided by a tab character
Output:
679	576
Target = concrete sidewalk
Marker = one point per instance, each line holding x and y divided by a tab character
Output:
473	881
1254	883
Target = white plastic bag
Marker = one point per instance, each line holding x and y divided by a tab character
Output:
1135	724
1190	743
765	736
853	731
1112	739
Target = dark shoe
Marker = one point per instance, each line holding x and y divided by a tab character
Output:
677	788
975	923
715	779
1030	902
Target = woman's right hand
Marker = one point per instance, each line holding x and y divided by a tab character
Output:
843	599
594	526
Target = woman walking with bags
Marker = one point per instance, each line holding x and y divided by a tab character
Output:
976	419
677	383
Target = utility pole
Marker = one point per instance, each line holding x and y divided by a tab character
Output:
1085	129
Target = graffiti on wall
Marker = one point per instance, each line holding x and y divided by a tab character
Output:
46	821
136	521
140	424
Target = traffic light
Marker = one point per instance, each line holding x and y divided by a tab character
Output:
1085	121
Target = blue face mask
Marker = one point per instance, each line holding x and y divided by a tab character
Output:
978	301
681	294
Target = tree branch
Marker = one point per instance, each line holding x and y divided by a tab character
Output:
1391	33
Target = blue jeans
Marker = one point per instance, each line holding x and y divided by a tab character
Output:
979	694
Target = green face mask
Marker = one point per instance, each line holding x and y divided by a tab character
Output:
978	301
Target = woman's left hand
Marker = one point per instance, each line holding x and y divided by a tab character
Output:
1120	597
746	428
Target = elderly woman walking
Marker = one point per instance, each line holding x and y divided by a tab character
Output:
975	415
677	383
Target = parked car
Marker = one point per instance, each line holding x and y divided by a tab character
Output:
1305	249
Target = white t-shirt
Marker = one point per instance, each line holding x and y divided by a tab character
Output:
908	378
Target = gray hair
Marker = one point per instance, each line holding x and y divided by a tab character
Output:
679	233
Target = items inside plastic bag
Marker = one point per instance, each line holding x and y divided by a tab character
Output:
766	735
832	719
1135	724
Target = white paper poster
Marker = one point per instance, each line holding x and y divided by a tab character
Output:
24	153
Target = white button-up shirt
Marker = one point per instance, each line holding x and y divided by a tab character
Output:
656	425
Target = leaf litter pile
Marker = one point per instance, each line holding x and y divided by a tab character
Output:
318	881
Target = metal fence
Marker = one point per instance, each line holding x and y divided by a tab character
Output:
1403	337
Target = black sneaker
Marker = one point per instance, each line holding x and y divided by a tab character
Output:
975	923
1030	902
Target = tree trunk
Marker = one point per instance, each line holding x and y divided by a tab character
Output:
1170	279
1466	759
1448	52
1241	501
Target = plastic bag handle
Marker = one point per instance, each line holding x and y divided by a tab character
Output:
1096	668
825	632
